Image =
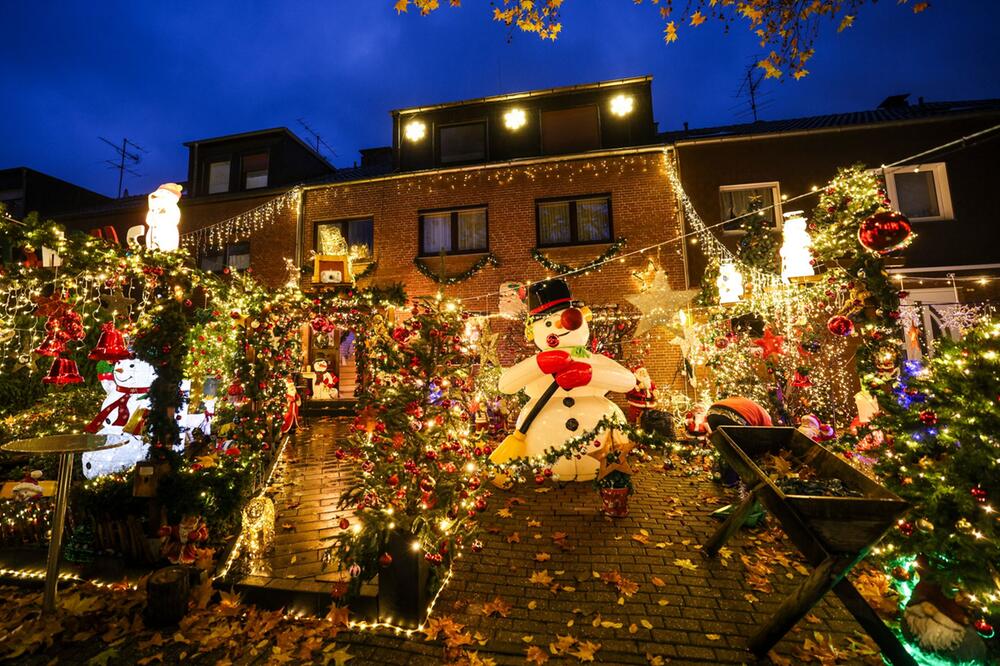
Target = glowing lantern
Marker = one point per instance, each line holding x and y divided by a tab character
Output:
730	283
796	259
163	217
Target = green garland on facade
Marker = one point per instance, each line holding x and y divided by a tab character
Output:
425	270
563	269
369	270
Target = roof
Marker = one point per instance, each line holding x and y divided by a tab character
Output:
508	97
259	133
886	113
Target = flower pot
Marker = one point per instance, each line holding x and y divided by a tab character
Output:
403	585
615	502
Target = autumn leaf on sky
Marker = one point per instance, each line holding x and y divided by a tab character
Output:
845	23
920	6
670	33
402	5
697	19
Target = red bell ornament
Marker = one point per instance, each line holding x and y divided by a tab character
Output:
53	345
110	346
63	371
840	325
884	232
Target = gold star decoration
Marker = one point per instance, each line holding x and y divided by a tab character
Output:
658	302
488	346
617	446
116	303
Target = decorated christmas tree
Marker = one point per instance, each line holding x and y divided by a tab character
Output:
758	247
418	453
940	451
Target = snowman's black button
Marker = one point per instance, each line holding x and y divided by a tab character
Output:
569	402
572	425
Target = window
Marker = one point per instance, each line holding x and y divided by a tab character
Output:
462	143
574	221
453	231
920	193
570	130
735	201
218	177
254	171
354	232
233	255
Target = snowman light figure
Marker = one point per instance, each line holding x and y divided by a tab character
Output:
163	217
119	416
566	384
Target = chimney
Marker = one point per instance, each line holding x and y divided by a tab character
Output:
374	157
895	102
685	126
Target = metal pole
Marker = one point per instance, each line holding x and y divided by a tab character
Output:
55	542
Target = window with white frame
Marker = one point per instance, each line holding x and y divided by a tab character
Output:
920	192
218	177
461	231
232	255
736	201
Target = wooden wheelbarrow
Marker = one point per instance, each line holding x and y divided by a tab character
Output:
833	533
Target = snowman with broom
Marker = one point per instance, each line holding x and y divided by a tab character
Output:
566	385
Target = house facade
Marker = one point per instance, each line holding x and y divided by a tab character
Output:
942	192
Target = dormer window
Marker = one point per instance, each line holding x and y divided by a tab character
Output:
570	130
218	177
462	143
254	171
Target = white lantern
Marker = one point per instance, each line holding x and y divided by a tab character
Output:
163	217
796	258
730	283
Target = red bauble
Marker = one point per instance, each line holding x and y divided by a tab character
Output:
427	484
434	558
539	479
984	628
571	319
840	325
393	480
344	523
979	494
477	546
906	528
884	232
721	343
928	417
384	560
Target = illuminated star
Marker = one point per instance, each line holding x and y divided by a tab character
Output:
658	302
770	344
609	445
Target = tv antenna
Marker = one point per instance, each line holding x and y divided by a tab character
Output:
129	155
750	86
316	138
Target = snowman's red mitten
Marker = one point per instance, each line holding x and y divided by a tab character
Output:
577	374
554	361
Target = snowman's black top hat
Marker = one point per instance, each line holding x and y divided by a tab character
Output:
547	297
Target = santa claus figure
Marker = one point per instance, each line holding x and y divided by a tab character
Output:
642	397
566	384
179	543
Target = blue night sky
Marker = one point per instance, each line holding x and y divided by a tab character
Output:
165	73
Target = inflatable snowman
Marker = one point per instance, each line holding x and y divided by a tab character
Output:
796	257
163	217
119	418
578	403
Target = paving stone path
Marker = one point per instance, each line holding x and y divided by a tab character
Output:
686	609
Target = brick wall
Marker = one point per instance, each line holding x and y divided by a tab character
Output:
643	210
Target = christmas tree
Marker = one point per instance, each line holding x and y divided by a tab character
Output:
418	455
759	245
941	452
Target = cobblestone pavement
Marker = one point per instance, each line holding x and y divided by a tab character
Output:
685	609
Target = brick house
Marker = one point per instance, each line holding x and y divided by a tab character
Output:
941	193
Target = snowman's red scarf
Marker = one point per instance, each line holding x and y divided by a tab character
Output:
121	404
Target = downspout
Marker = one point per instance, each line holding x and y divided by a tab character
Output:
299	210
